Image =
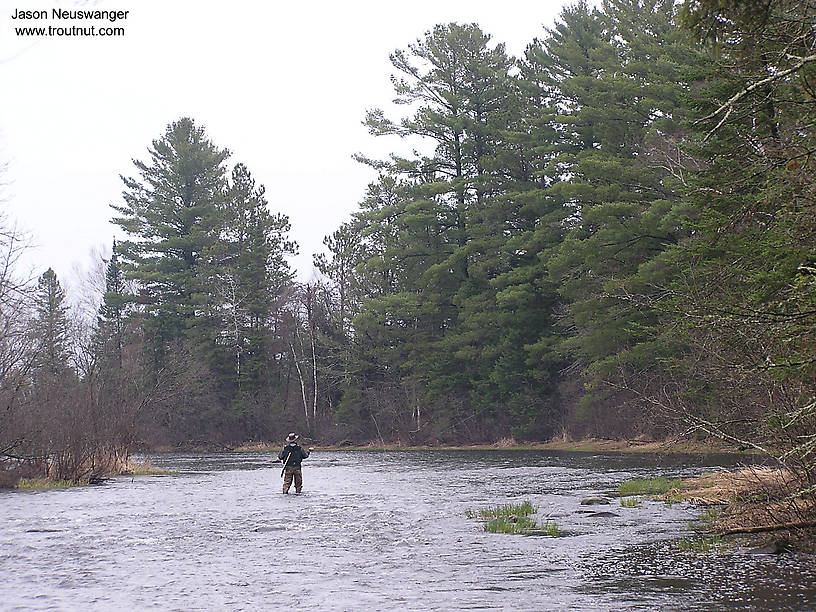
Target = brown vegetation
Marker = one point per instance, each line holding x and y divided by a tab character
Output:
754	500
44	475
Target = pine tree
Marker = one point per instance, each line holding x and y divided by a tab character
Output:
345	253
114	310
208	263
624	117
51	328
748	271
171	214
250	277
436	236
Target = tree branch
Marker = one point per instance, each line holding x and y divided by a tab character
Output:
728	106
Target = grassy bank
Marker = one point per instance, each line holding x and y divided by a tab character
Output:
45	483
753	500
19	481
764	501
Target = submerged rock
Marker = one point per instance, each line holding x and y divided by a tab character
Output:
602	514
264	529
777	547
595	501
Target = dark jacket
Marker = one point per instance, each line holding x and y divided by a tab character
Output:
292	454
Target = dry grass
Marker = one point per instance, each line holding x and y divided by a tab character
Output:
140	468
728	487
506	443
691	447
753	500
257	447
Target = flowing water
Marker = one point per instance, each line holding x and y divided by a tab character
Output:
377	531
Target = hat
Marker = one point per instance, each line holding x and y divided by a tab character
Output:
292	437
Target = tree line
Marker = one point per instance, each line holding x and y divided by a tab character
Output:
611	235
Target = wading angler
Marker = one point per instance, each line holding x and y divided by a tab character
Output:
291	456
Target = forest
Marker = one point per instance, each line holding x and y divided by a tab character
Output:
612	236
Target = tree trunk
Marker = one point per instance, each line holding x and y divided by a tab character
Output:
302	384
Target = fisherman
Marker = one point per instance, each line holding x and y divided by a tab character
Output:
291	457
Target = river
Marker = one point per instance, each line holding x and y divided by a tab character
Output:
377	531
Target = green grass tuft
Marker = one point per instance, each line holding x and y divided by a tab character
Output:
507	525
648	486
704	544
525	508
512	518
630	502
551	528
45	483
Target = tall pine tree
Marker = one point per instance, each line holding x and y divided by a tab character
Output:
170	214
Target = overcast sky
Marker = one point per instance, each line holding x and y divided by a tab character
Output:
283	85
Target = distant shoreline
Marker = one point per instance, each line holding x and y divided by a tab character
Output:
590	445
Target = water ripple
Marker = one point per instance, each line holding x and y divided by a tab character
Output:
386	531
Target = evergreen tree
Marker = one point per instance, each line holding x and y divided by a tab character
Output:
114	310
748	289
208	260
171	215
437	232
250	278
346	251
624	111
51	328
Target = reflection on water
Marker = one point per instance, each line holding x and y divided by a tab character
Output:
386	531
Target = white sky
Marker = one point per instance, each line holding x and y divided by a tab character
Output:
283	85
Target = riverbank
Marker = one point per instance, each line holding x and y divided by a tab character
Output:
27	480
589	445
388	531
774	504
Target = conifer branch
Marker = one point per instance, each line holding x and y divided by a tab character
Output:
729	105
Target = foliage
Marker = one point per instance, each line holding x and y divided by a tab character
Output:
648	486
523	509
51	328
207	262
701	544
611	235
508	525
513	519
743	282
